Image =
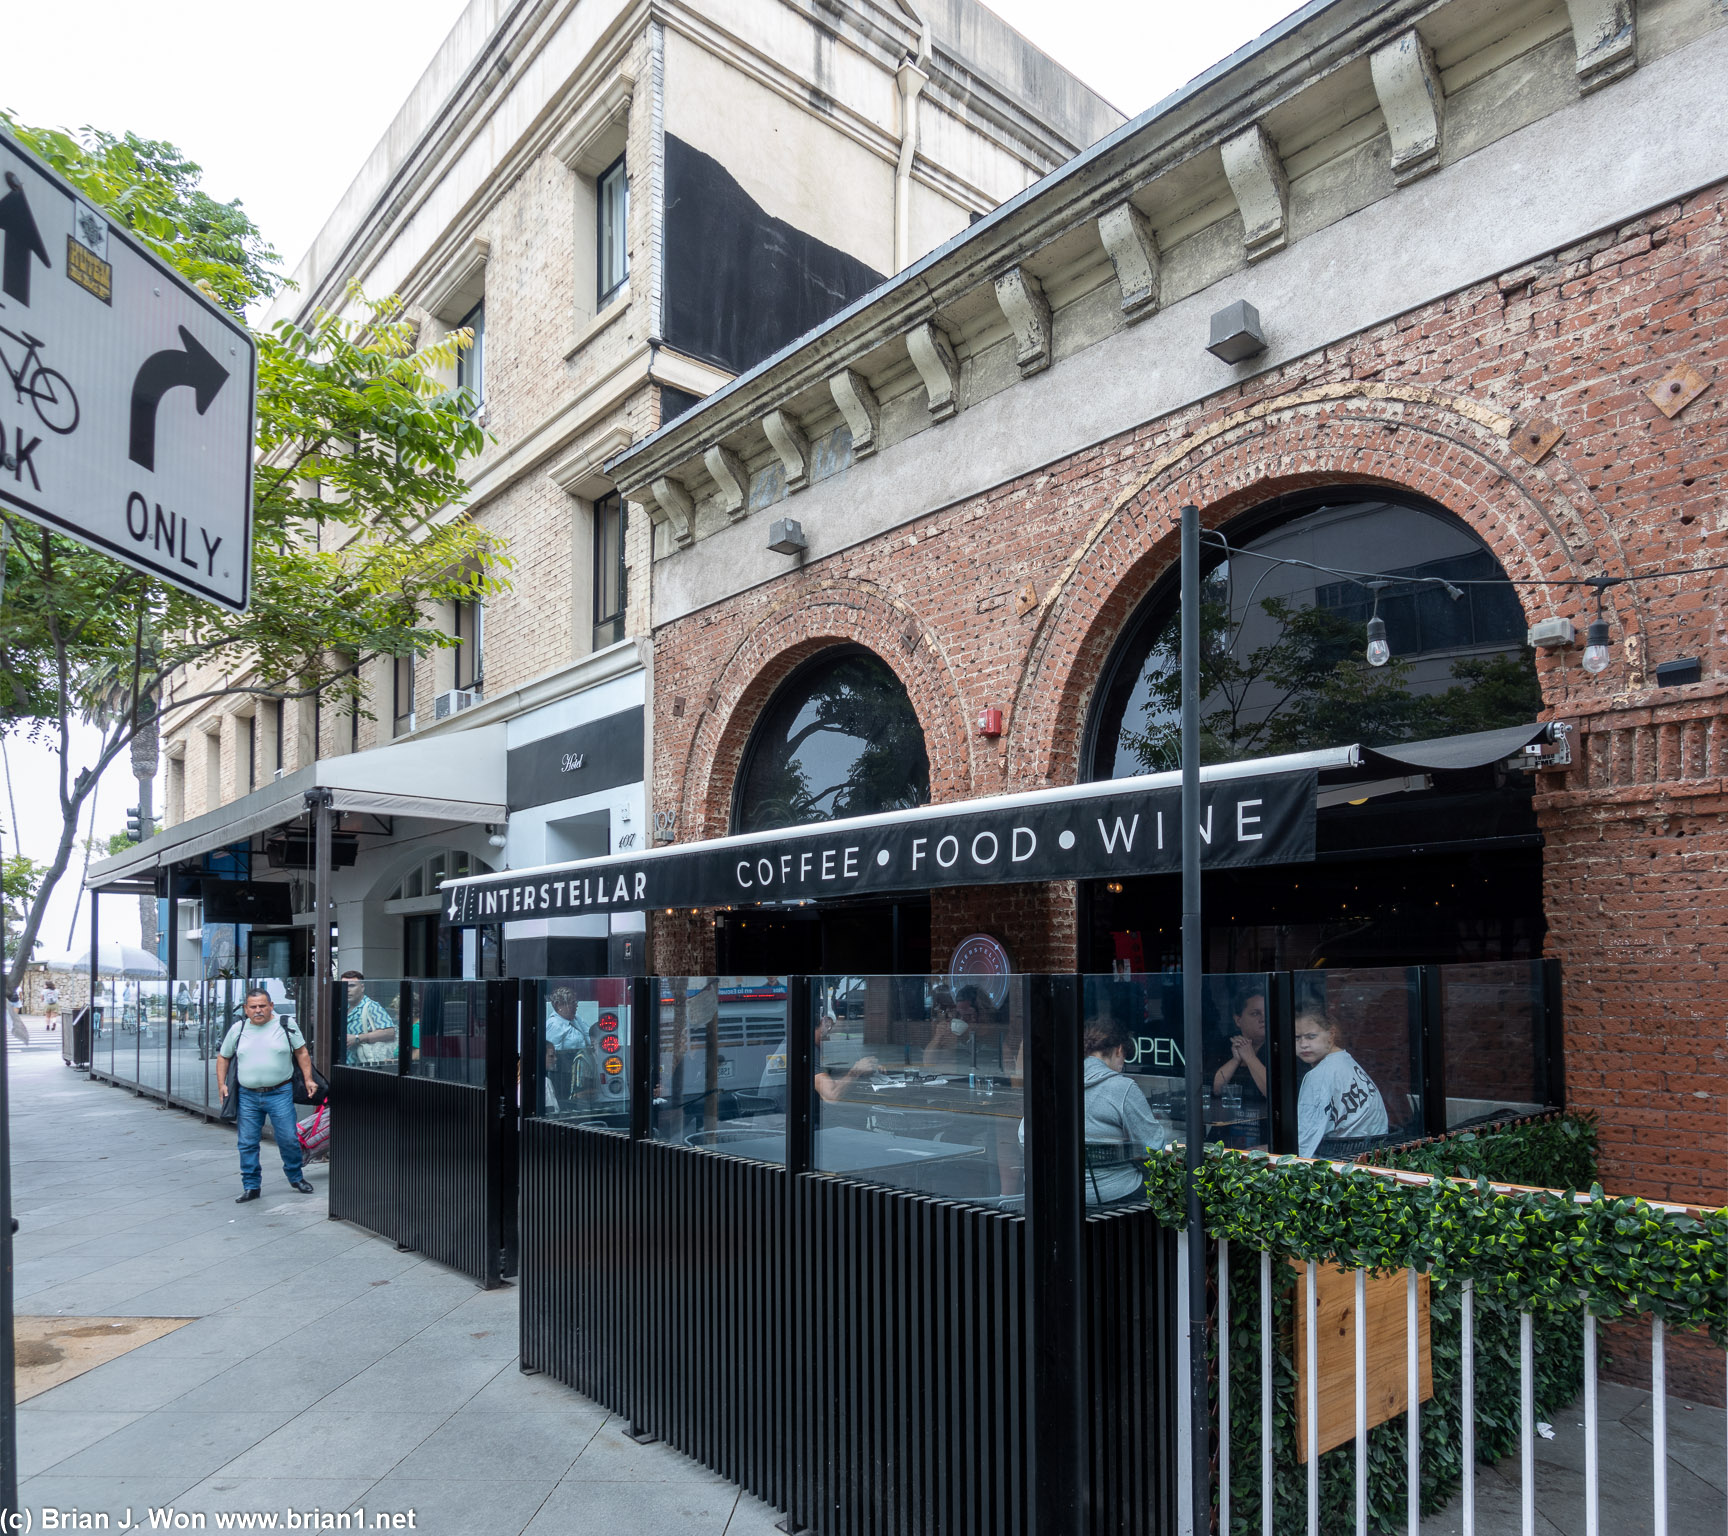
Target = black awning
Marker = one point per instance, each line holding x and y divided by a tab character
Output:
1455	753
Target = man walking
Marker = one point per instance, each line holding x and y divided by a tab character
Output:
264	1051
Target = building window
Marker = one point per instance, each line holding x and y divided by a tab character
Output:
469	623
609	594
402	689
249	754
277	764
471	360
1283	663
839	738
612	207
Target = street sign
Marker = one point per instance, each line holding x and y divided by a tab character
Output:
127	396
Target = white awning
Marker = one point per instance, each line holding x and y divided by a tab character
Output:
458	777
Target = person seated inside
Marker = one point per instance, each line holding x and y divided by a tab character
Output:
965	1033
1120	1125
566	1035
1238	1072
1338	1101
829	1084
371	1032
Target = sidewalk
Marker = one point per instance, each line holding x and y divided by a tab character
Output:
324	1369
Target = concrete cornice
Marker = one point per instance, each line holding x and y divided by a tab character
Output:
1228	99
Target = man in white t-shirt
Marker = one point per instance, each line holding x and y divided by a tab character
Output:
264	1051
1338	1099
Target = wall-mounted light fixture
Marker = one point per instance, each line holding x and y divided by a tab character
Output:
496	836
786	537
1236	333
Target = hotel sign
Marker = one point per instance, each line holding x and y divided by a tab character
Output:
1109	830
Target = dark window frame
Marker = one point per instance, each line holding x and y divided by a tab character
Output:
616	175
397	713
471	360
610	514
470	658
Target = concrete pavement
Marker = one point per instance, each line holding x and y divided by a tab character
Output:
324	1370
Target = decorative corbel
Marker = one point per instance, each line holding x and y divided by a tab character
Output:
1262	190
1133	252
1413	103
1605	38
1021	296
858	404
672	505
791	446
731	476
933	357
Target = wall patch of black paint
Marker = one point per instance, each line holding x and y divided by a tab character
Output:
740	284
675	402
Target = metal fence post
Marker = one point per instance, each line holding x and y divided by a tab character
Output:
1058	1452
800	1142
1281	1067
644	1003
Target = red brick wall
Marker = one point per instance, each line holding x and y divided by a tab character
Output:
1432	402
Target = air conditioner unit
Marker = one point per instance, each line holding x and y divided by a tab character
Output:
453	701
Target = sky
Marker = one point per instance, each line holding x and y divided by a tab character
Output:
280	106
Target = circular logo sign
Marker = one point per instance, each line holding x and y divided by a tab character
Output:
981	961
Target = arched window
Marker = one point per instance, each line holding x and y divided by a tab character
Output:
1284	665
839	738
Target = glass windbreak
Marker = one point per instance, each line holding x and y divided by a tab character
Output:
1134	1080
720	1064
152	1017
1358	1060
916	1084
1493	1023
584	1071
447	1031
369	1032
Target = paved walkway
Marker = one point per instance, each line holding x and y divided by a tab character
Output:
324	1369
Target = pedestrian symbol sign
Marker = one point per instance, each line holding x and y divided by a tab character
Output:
126	395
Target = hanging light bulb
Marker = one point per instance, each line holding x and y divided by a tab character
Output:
1596	647
1379	652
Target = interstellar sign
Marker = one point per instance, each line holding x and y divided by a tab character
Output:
126	395
1102	831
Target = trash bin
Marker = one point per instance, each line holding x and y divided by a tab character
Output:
75	1042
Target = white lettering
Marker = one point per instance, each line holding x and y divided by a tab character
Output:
1112	835
558	891
918	849
575	894
849	863
785	867
1014	852
544	900
743	879
948	863
764	872
1244	821
987	858
804	865
827	863
527	898
1160	830
1206	828
516	899
623	891
641	883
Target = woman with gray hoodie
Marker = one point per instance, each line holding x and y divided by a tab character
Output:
1120	1125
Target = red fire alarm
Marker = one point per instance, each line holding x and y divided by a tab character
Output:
990	722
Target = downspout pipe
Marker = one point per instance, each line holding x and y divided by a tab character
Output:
911	78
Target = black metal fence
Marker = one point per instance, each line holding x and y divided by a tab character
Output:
423	1122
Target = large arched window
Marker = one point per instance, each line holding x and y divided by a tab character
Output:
839	738
1284	665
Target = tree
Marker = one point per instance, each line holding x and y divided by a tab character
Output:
20	879
360	455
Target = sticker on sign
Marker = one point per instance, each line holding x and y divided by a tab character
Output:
126	403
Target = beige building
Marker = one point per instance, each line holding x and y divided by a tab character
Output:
630	204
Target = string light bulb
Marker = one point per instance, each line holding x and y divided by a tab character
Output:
1379	652
1598	646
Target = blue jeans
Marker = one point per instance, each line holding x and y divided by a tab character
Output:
278	1104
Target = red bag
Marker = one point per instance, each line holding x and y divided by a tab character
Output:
315	1131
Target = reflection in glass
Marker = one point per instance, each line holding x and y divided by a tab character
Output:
583	1074
720	1065
840	738
1492	1019
447	1031
1284	666
370	1026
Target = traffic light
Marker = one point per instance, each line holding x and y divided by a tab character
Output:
134	825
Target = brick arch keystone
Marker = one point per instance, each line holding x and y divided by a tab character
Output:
806	623
1541	523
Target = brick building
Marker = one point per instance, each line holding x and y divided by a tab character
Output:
1493	303
628	204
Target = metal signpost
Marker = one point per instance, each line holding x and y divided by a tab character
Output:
126	422
127	395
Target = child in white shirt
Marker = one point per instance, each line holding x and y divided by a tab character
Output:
1337	1099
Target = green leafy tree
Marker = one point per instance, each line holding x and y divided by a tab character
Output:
20	880
360	458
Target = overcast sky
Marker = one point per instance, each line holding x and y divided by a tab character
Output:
280	105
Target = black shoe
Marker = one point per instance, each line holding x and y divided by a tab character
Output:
302	1186
247	1194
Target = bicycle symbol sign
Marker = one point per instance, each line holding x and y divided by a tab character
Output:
126	401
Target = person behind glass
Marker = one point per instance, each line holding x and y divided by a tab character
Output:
962	1032
829	1085
264	1051
1243	1068
371	1032
1120	1125
565	1032
1337	1100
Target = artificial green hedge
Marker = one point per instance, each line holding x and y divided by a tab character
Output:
1541	1251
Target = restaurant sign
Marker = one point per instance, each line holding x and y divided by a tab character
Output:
1110	830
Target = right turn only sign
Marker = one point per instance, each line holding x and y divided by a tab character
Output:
127	398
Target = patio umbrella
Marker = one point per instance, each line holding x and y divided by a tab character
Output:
116	959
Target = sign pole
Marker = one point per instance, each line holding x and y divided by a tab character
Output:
1199	1438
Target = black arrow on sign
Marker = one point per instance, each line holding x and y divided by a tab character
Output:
194	367
23	240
